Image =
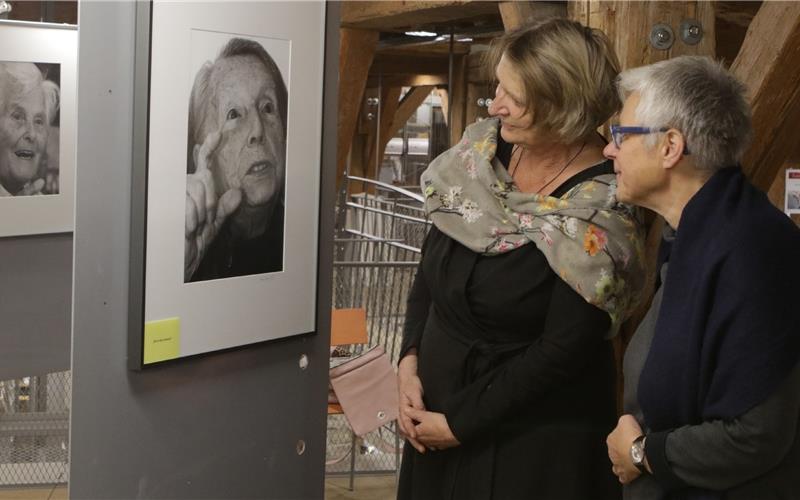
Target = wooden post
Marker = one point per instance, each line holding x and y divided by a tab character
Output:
458	99
390	99
357	48
768	64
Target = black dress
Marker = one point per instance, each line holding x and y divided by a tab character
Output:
517	362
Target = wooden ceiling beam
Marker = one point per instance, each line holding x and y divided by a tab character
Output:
408	105
767	64
397	15
516	14
388	64
408	80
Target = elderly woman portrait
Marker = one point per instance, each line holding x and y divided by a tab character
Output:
712	374
506	373
236	165
28	138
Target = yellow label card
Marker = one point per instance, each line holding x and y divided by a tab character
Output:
162	340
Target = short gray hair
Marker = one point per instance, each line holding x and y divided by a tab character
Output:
22	77
699	97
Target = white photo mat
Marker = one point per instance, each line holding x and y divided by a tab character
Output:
230	312
39	43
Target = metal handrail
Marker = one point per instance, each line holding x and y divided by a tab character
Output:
410	194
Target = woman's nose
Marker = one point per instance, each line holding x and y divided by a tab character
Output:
496	108
610	151
256	132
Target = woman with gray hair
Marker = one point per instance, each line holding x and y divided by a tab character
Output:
28	104
712	375
506	374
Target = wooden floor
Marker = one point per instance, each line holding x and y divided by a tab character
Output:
371	487
51	493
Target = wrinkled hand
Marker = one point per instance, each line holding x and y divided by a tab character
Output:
432	429
410	389
619	448
205	214
51	182
33	187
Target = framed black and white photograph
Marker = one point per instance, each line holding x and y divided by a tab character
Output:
226	193
37	128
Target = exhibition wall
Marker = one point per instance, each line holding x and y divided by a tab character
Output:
243	423
35	303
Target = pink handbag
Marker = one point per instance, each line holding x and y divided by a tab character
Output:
366	388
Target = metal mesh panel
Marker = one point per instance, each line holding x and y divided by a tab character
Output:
34	429
377	251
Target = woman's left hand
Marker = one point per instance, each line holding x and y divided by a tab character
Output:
432	429
619	448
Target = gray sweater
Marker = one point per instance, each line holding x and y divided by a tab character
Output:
755	456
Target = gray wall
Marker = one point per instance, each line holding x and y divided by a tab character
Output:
219	426
35	304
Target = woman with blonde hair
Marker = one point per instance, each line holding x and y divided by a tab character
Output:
507	377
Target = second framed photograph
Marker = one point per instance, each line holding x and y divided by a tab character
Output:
38	64
226	192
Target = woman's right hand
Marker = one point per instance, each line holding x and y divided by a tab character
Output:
205	214
410	388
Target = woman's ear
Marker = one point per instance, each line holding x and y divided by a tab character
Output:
672	148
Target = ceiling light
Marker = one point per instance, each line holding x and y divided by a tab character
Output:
421	33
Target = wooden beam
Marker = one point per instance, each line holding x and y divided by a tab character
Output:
444	97
476	91
408	105
458	99
390	100
517	14
407	80
404	64
768	65
628	26
357	48
397	15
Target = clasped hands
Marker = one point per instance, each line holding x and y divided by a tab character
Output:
425	430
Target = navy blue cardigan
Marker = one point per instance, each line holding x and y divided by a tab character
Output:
728	331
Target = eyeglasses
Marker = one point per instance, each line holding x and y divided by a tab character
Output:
618	133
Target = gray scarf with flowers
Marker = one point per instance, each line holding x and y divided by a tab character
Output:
593	242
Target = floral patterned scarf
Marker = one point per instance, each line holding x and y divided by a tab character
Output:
593	242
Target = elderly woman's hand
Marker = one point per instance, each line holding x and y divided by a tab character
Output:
432	429
205	214
619	448
410	389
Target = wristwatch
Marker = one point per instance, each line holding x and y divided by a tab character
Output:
637	453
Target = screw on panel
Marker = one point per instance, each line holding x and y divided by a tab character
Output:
691	31
661	37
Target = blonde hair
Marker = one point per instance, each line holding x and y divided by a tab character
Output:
568	71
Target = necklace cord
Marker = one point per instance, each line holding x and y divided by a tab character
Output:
519	158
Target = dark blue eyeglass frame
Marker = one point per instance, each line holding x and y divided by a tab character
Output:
618	134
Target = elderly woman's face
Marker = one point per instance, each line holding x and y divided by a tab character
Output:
23	137
251	155
509	105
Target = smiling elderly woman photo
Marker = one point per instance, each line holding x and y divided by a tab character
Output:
236	165
28	104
